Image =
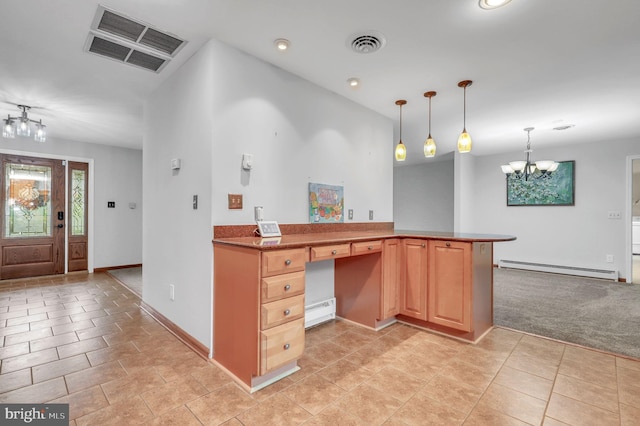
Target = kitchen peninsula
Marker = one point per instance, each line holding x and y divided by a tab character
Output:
441	281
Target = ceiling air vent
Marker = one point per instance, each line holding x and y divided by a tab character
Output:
123	39
366	42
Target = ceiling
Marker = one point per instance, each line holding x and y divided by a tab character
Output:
541	64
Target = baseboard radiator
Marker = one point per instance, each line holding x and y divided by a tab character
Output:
610	274
319	312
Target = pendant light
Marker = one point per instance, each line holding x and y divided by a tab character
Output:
429	144
401	150
464	140
529	169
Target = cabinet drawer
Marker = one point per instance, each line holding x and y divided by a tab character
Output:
281	311
366	247
330	252
280	345
281	286
283	261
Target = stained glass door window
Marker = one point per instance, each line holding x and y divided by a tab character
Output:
78	202
27	203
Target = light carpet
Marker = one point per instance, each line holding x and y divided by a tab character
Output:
129	277
591	312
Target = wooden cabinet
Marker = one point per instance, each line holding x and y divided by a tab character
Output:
443	285
391	279
282	310
449	294
413	290
258	311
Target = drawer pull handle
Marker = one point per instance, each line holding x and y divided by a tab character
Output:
286	346
286	312
334	252
423	246
287	262
448	244
287	287
370	248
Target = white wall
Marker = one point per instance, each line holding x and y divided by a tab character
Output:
117	233
423	196
579	235
177	239
219	105
298	133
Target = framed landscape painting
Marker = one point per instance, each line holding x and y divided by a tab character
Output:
555	190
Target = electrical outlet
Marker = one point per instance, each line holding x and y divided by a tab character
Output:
172	292
111	204
370	214
609	258
350	214
614	214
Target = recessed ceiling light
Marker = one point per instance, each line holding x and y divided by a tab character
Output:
353	82
492	4
281	43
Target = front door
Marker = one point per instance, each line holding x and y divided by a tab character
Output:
33	217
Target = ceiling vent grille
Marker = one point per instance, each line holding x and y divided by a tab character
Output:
366	42
123	39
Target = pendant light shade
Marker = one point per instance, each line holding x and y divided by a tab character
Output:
401	150
464	140
429	144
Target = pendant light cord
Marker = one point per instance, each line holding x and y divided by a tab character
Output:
401	123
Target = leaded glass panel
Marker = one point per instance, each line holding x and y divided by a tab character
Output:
78	196
28	203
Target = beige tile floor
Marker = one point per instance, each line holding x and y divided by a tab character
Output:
83	340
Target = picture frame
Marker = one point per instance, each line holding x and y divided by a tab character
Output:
555	190
326	203
269	228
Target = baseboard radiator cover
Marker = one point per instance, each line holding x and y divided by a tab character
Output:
319	312
610	274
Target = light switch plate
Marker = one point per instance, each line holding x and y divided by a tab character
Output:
235	201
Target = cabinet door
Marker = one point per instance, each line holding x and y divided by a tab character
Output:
413	291
450	284
391	279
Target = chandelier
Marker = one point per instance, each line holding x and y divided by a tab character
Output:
527	169
21	126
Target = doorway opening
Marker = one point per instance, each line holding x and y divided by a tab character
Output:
43	225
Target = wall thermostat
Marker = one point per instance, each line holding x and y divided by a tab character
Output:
247	161
175	164
269	228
